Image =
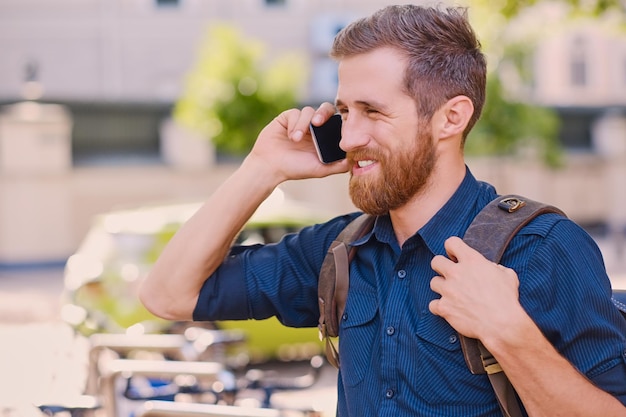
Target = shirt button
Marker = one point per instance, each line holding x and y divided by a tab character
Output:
390	330
389	394
452	338
401	273
344	316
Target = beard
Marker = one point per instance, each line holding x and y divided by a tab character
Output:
402	176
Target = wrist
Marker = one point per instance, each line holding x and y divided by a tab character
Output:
512	334
261	173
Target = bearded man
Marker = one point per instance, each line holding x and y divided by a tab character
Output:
411	87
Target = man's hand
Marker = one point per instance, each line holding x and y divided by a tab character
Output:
478	297
286	149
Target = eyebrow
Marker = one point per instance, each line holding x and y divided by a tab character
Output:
362	103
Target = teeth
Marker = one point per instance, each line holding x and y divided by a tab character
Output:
364	164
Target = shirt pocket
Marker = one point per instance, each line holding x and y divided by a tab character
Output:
357	336
440	373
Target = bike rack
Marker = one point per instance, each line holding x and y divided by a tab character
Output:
178	409
172	344
190	346
188	351
128	368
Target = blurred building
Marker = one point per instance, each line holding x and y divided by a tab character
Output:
120	64
117	66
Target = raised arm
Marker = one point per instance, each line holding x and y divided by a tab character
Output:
283	151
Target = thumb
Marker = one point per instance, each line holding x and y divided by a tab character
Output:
458	250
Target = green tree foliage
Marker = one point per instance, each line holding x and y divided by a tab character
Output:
508	126
232	91
511	123
511	8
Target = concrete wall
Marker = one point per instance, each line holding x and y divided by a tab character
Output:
43	218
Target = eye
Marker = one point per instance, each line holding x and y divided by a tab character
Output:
371	111
343	112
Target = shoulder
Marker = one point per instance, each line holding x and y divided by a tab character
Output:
552	225
556	238
554	245
324	233
306	246
556	231
553	251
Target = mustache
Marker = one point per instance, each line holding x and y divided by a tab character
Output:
363	154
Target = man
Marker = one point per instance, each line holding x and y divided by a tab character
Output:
411	86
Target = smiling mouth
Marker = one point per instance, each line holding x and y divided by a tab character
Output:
365	163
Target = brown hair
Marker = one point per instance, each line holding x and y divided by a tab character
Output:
444	57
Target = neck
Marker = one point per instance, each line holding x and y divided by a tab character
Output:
418	211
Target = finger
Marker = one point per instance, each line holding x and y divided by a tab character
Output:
441	264
298	123
338	167
323	113
458	250
285	116
433	306
437	283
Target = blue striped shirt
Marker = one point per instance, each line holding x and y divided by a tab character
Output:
398	359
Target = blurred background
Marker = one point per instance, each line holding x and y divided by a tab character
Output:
114	104
118	116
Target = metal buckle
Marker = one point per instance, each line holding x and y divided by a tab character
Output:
511	204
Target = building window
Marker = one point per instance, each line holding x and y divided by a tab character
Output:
578	63
275	3
575	131
117	134
167	3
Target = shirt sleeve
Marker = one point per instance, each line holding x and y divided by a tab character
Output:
223	295
564	287
278	279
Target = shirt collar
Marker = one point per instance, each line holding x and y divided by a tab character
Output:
455	216
451	220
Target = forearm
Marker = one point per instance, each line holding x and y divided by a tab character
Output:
480	299
171	288
283	150
545	381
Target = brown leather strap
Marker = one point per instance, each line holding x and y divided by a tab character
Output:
495	226
334	281
505	393
342	281
326	291
490	233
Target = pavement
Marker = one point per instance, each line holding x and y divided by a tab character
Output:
42	360
39	354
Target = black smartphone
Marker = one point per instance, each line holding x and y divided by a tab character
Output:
326	139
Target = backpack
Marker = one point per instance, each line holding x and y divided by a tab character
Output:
489	233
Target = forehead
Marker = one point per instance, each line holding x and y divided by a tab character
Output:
373	76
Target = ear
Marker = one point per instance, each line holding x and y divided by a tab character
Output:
454	116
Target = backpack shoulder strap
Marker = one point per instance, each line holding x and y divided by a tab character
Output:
490	233
493	228
334	280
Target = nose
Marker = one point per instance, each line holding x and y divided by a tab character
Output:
353	135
